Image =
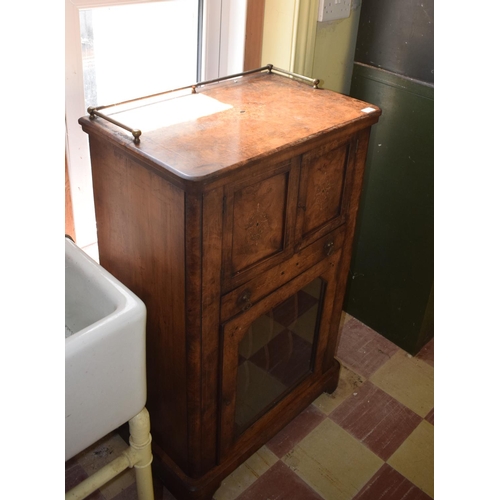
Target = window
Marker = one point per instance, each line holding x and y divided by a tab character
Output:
122	49
133	50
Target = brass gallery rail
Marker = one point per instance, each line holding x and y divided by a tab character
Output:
96	111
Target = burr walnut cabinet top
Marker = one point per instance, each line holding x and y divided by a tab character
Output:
227	125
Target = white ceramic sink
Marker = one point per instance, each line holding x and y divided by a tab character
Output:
105	352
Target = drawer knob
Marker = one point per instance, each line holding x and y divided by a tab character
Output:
244	300
329	247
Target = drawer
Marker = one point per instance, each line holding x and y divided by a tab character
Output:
247	294
325	184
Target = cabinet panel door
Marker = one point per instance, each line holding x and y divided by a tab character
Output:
259	223
325	183
272	349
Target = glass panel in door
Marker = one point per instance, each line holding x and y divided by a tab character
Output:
277	352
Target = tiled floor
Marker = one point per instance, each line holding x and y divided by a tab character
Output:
372	439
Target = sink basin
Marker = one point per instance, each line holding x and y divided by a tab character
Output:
105	352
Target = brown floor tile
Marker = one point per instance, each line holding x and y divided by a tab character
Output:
362	349
349	382
388	484
159	491
246	474
129	493
279	483
414	459
295	431
376	419
75	474
102	453
71	463
427	353
430	417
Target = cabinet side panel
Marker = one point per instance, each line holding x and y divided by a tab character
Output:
140	229
358	169
194	314
212	259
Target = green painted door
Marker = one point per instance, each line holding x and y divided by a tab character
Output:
392	270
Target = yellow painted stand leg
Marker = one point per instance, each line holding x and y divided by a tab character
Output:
140	441
138	455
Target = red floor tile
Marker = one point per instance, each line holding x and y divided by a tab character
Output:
159	491
430	417
279	483
75	474
363	349
295	431
388	484
129	493
376	419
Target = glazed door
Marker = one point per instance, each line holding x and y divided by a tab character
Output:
272	350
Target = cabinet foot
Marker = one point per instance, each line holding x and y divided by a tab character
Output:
181	486
334	381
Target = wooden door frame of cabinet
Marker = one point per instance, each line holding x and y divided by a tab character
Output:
361	150
234	330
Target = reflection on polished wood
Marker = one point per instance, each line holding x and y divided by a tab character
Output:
276	353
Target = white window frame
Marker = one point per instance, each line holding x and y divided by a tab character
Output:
222	54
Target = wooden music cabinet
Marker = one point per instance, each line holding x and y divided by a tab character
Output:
231	215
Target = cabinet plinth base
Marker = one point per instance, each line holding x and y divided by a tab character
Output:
184	487
180	485
331	386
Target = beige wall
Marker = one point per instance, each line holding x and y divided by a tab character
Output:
278	43
334	52
293	40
